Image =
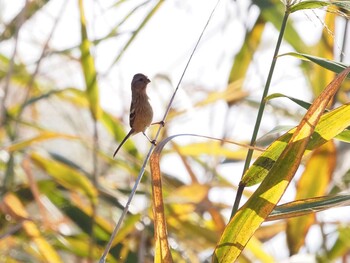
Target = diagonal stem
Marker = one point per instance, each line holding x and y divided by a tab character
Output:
260	112
142	171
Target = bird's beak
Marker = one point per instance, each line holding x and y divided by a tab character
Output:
147	80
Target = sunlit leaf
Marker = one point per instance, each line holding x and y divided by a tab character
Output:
331	124
251	215
315	4
313	182
334	66
41	137
255	247
79	247
231	94
212	149
273	13
65	175
304	104
244	57
12	206
162	251
307	206
89	70
302	5
344	136
185	194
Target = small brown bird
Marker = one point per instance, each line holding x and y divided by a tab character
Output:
141	113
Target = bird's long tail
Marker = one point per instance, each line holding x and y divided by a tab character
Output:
123	141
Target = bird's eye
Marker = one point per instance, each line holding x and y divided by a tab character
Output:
140	79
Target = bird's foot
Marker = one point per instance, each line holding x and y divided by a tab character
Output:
162	123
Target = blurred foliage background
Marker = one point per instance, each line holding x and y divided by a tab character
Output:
65	68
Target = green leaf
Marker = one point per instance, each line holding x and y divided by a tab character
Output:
88	64
254	212
344	4
334	66
44	249
307	206
304	104
43	136
273	13
302	5
314	181
331	124
314	4
80	215
245	55
344	136
66	176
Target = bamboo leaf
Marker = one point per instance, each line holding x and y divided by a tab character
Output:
162	251
13	207
304	104
307	206
89	70
331	65
315	4
257	249
331	124
250	216
274	14
213	149
302	5
46	135
344	136
313	182
78	246
65	176
79	213
244	56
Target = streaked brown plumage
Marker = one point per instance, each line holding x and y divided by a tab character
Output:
141	113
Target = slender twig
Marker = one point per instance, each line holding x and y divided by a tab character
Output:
9	73
261	111
9	173
139	177
38	63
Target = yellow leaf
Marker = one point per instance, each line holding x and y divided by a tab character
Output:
13	206
313	182
66	176
251	215
43	136
162	251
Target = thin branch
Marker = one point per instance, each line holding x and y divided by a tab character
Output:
261	111
137	182
20	22
42	56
